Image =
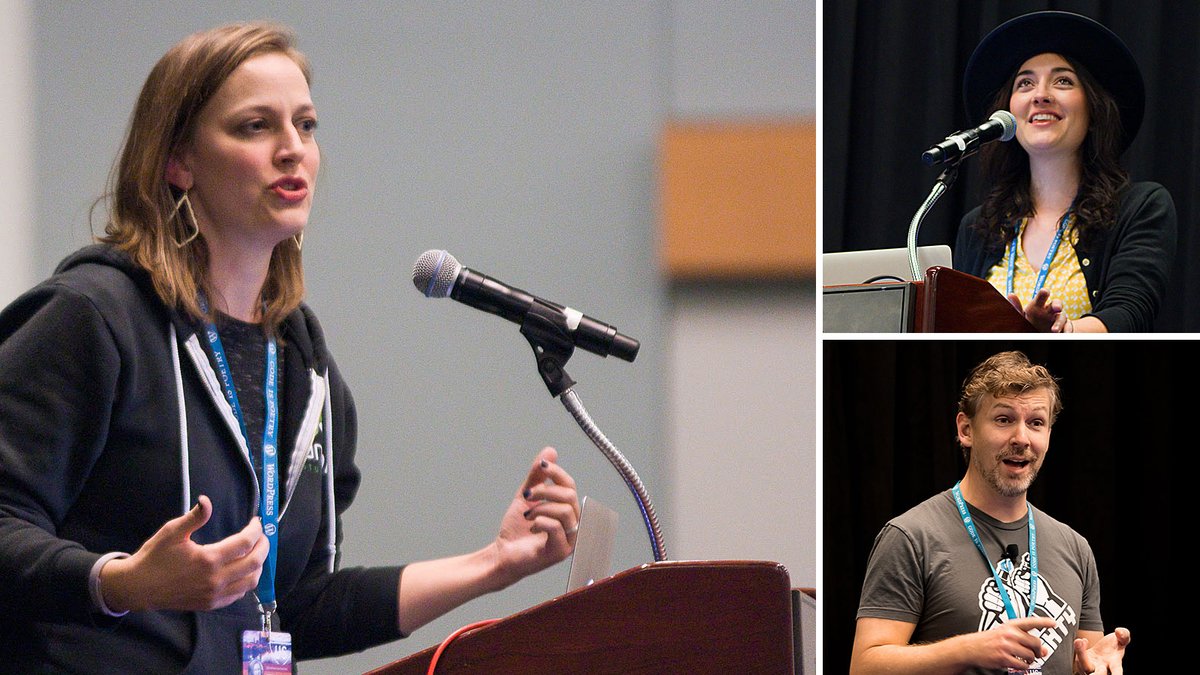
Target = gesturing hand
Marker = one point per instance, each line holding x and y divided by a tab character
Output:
538	530
170	571
1010	645
1103	658
1045	314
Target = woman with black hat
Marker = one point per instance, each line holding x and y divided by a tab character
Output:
1062	231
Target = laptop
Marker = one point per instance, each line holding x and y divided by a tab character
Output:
592	560
882	264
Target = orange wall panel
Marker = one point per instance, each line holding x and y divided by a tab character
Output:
738	200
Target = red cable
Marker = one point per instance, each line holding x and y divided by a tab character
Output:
454	636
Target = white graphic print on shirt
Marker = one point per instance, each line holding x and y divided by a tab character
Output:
1016	583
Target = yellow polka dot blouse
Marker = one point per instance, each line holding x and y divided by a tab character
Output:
1065	280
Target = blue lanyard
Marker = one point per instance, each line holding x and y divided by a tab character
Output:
969	523
269	499
1045	269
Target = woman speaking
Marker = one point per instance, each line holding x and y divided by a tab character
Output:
177	445
1062	232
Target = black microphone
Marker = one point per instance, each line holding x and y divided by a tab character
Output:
438	275
1000	126
1012	552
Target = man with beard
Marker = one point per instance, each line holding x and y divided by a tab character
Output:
976	580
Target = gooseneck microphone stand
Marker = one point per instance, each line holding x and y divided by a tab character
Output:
546	330
943	183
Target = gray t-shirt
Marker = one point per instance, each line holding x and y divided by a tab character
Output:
925	570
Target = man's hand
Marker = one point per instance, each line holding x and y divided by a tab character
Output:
1105	656
1010	644
881	646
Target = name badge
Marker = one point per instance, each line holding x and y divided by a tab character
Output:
266	652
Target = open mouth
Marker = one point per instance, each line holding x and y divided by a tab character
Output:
1017	463
290	188
1043	117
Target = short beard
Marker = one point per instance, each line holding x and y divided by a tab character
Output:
1010	489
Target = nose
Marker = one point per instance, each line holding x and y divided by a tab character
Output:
291	146
1043	94
1020	438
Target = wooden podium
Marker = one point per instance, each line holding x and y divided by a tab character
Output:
956	302
664	617
947	301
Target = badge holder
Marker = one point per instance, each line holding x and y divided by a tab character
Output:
266	653
263	651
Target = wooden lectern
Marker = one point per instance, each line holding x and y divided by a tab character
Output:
956	302
664	617
947	301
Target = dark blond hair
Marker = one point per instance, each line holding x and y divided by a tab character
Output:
1006	374
163	124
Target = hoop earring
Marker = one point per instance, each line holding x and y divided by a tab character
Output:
299	239
190	214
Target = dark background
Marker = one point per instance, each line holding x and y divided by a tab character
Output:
893	86
1116	455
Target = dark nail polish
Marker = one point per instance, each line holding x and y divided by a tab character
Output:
526	514
545	464
526	493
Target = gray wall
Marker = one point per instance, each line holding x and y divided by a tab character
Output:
16	122
521	137
742	461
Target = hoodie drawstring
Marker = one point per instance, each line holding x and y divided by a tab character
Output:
330	515
185	474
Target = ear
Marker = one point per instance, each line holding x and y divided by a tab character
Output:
178	174
963	424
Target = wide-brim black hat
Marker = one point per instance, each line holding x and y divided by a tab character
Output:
1087	41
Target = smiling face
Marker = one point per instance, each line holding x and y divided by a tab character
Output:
1050	105
1008	437
251	165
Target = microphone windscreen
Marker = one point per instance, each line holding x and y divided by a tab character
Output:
435	272
1008	122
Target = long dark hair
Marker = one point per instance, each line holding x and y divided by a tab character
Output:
1006	169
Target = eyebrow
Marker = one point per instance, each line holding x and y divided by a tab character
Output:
1056	69
1005	407
266	108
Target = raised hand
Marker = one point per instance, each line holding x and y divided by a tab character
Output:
170	571
1103	658
538	529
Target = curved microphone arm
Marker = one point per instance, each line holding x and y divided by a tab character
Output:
574	406
544	328
944	181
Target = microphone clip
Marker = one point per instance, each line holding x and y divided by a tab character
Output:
545	328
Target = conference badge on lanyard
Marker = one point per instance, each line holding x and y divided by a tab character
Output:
1051	252
266	652
263	651
969	524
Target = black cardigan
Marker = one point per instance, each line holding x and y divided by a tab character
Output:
1126	267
